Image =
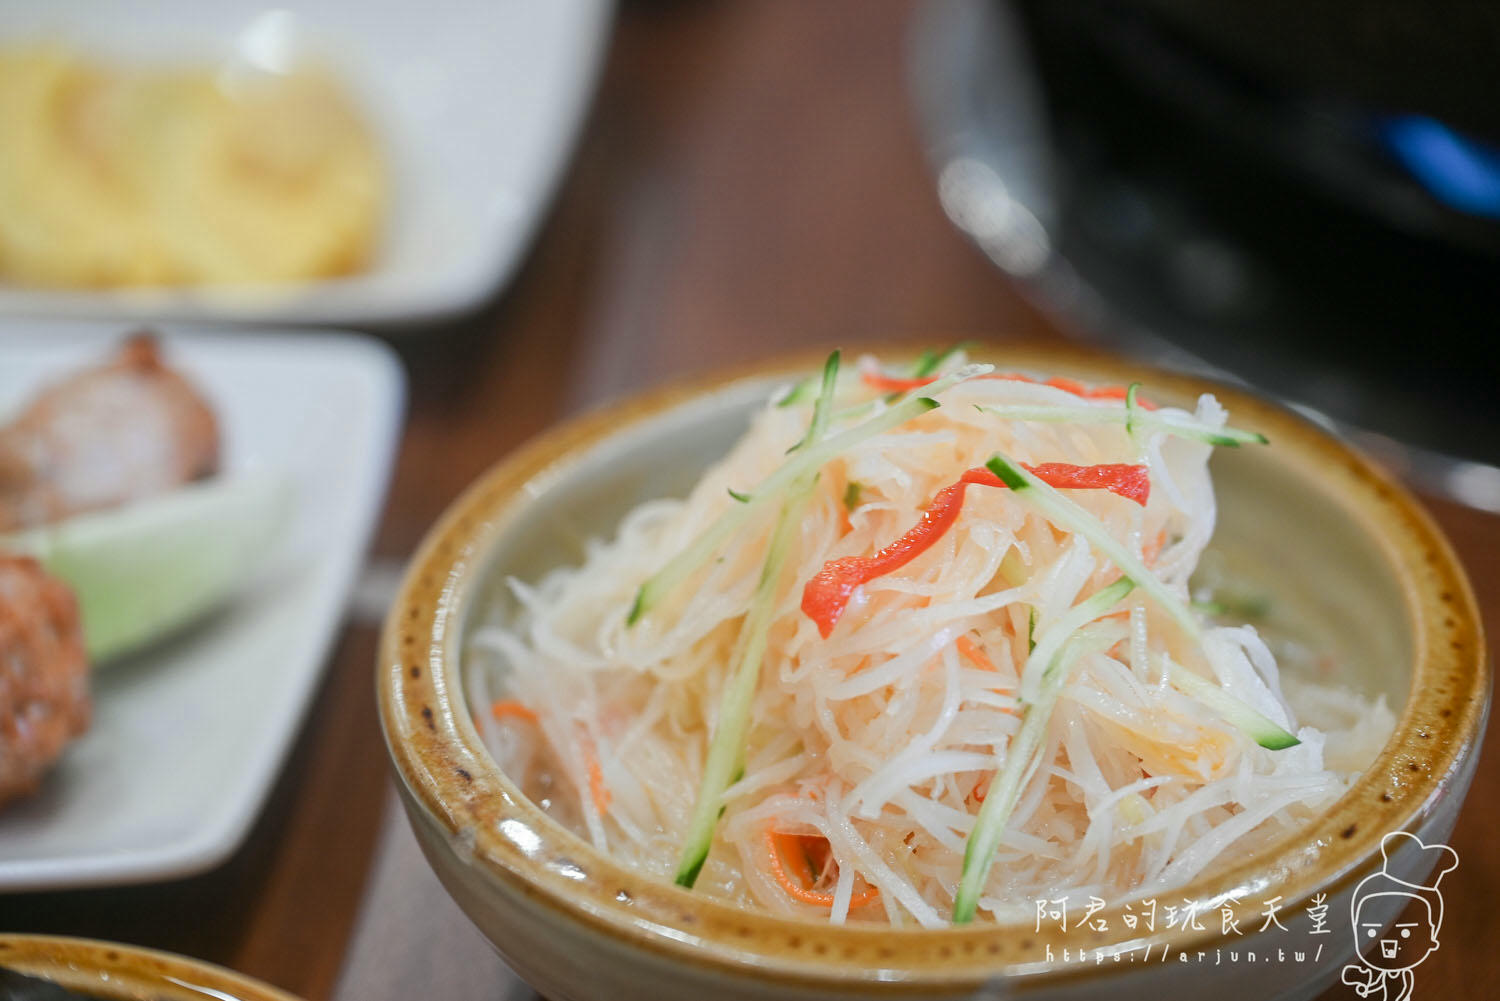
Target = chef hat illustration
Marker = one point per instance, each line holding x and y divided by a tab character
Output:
1439	859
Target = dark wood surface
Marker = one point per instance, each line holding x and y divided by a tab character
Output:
750	180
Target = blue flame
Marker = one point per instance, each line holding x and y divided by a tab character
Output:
1460	172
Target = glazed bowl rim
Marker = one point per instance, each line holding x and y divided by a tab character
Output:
449	780
71	961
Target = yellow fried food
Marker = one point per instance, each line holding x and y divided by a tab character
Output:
115	177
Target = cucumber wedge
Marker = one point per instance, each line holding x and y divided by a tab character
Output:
143	571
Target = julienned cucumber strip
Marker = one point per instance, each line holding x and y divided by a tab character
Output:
801	463
799	393
1068	515
1005	790
824	405
931	361
728	745
144	570
1045	650
1263	731
726	751
1244	607
1138	419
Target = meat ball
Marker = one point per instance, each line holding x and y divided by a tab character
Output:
44	674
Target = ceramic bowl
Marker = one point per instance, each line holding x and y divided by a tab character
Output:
1306	516
114	972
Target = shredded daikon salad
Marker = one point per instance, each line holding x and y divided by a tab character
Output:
921	647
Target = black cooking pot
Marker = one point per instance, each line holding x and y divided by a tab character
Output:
1305	193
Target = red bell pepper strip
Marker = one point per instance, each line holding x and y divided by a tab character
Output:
893	384
826	595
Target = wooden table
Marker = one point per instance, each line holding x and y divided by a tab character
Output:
750	180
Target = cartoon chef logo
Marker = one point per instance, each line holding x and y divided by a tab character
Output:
1387	957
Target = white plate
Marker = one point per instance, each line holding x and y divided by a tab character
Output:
476	103
188	736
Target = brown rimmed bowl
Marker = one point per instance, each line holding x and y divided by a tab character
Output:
114	972
1306	518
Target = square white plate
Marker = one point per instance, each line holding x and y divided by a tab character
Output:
188	735
476	103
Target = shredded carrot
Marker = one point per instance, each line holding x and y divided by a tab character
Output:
1066	385
976	656
597	789
510	707
792	850
1153	549
969	649
795	850
981	789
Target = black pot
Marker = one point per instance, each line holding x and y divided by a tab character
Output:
1307	194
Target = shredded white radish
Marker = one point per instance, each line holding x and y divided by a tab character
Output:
869	752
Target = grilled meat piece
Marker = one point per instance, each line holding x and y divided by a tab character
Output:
118	432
